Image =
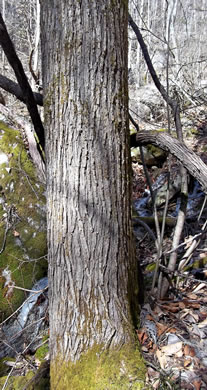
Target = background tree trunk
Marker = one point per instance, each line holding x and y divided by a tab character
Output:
92	266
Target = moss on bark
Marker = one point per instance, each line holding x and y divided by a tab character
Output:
101	370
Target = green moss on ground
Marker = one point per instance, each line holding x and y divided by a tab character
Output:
156	152
38	380
4	369
17	382
22	220
97	370
42	351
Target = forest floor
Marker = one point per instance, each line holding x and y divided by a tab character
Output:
173	330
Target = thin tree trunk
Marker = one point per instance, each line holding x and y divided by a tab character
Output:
16	64
37	37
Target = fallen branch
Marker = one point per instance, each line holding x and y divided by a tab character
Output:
170	221
193	163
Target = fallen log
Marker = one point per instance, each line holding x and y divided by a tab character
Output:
190	160
150	221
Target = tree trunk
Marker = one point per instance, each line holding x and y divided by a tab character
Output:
92	265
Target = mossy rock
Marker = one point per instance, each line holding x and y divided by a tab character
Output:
16	382
22	221
152	155
192	132
38	380
4	369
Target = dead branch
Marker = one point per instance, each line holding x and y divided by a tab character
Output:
14	88
193	163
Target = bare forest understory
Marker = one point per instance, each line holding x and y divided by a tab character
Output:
168	135
173	329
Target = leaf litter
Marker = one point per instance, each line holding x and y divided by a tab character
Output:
173	331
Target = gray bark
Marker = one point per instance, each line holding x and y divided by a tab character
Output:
92	268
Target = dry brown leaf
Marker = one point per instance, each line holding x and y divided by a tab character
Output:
192	352
182	305
158	311
172	307
203	314
203	323
194	305
172	330
192	296
161	358
188	351
187	363
173	349
161	328
197	384
142	336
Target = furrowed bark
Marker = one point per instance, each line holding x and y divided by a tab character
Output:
92	265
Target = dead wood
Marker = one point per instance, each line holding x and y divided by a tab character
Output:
190	160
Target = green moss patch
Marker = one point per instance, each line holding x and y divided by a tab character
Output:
42	351
16	382
22	221
101	370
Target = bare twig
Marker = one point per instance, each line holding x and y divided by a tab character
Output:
27	290
19	308
185	243
17	360
190	250
181	275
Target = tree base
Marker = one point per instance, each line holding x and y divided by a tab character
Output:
101	370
